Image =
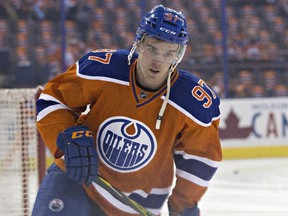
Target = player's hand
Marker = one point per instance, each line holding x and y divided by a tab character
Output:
187	212
77	144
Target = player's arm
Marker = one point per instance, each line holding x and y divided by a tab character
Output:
59	106
197	153
197	157
66	96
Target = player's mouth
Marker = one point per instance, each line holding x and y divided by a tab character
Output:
154	71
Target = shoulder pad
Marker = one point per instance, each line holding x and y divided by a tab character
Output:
195	98
105	63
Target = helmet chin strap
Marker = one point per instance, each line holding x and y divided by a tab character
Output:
165	102
134	46
171	70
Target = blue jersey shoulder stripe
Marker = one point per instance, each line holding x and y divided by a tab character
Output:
181	96
105	65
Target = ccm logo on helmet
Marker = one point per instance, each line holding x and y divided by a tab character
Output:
168	31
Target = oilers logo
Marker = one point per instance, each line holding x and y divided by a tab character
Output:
124	144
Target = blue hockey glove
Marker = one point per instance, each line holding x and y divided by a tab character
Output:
187	212
77	144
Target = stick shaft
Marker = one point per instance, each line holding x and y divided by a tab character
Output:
122	197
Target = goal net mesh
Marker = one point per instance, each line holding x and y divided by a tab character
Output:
19	152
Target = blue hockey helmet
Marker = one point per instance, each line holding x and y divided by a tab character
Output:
165	24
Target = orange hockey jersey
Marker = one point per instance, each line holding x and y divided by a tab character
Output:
134	156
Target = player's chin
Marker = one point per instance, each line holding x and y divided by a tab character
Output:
154	78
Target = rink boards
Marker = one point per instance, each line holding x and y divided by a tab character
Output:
254	127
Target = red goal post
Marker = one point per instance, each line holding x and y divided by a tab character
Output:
22	151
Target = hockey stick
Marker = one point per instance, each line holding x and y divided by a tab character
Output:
116	193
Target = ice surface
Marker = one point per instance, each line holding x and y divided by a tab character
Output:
251	187
248	187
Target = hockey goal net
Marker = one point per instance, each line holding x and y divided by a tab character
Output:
22	152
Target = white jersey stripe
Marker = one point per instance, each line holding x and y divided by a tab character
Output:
116	203
157	191
51	108
102	78
189	115
192	178
105	194
48	110
202	159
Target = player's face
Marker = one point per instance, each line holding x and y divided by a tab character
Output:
155	58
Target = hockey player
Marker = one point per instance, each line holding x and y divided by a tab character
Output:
145	117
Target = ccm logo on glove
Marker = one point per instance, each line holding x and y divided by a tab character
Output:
79	134
81	161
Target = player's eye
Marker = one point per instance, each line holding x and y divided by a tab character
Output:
168	54
151	49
